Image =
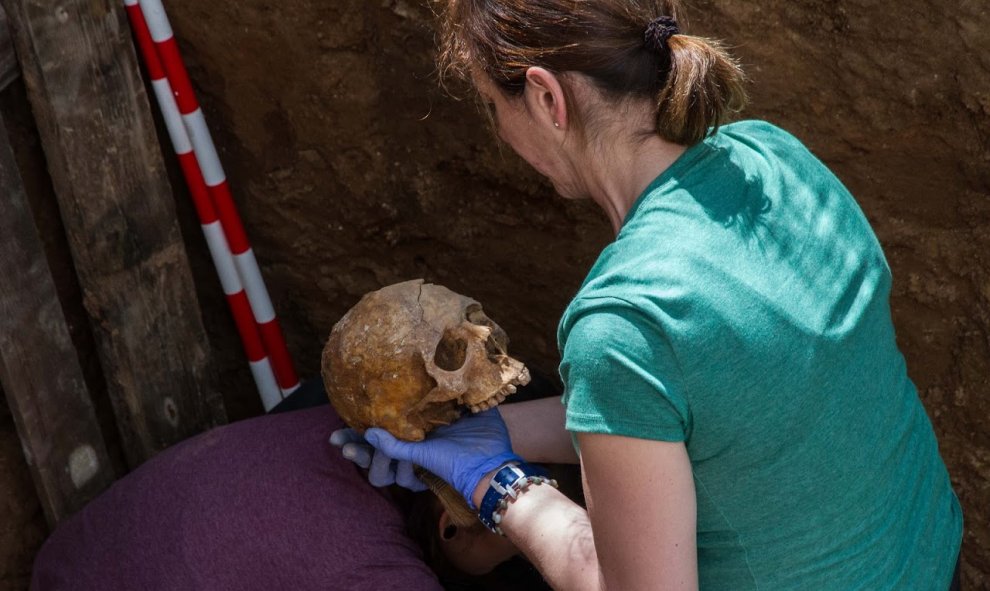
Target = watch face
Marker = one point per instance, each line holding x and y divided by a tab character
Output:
505	478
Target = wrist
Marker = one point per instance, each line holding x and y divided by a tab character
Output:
468	486
504	487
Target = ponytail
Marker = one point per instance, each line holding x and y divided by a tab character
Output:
622	45
704	86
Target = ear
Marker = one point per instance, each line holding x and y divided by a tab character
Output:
447	530
545	98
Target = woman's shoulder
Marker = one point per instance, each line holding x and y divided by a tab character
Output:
766	156
762	138
756	128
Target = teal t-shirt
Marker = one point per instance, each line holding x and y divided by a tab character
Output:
743	309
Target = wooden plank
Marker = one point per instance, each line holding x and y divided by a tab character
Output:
81	72
39	369
9	70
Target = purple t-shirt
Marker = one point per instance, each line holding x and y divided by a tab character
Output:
262	504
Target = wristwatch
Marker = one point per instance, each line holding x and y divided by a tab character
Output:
509	480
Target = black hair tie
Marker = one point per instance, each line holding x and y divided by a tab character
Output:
659	31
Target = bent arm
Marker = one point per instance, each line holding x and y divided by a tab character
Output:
638	532
536	428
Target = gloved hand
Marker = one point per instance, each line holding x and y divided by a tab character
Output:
382	470
461	453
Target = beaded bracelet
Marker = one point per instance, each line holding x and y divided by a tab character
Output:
510	480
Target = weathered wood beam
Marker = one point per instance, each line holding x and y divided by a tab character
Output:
39	369
9	70
81	72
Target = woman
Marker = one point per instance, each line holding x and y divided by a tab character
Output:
743	416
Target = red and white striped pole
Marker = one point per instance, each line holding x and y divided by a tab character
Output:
223	260
194	122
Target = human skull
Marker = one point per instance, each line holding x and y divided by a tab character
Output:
409	356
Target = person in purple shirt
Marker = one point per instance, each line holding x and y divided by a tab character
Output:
268	503
260	504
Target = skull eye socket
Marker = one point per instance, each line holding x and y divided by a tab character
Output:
451	352
497	344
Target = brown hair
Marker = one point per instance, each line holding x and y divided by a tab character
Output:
695	83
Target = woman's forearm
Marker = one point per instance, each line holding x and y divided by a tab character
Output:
631	548
555	535
536	428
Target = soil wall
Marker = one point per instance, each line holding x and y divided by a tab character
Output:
353	170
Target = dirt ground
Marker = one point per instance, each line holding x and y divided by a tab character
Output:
353	170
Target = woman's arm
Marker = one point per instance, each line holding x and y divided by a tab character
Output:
536	428
638	532
640	494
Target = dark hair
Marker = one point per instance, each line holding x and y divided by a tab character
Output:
695	83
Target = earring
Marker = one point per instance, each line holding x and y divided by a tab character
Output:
557	125
449	532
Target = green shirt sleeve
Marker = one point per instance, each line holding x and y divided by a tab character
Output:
619	374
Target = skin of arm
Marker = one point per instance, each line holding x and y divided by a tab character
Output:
536	429
639	529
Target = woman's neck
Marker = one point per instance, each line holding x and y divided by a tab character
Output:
617	175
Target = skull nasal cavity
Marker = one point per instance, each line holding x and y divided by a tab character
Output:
451	352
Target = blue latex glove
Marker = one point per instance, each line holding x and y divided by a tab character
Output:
382	470
461	453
